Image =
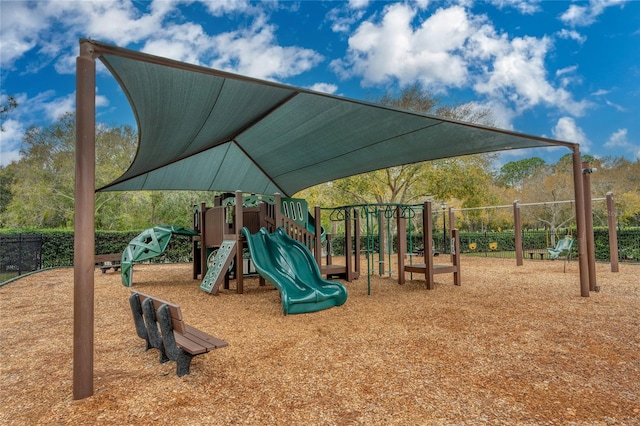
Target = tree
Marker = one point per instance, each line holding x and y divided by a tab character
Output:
5	106
6	180
514	173
43	179
38	190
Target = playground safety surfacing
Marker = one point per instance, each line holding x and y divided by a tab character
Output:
512	345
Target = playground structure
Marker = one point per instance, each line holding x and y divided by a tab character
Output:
220	249
290	266
380	220
150	243
428	268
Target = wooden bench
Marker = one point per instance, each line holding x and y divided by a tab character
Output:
540	252
108	261
161	325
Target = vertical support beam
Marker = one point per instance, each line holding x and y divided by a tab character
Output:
427	227
356	244
452	225
239	223
84	223
278	215
583	262
455	256
401	228
381	243
517	232
348	245
318	237
613	236
203	239
588	223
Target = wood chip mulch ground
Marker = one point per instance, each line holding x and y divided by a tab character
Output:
512	345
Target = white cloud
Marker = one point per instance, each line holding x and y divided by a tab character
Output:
220	8
325	88
347	14
19	31
392	50
526	7
572	35
567	70
183	42
10	140
567	130
358	4
254	52
519	75
582	14
619	141
620	108
453	48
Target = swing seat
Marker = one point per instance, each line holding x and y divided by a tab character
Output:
493	246
563	248
473	246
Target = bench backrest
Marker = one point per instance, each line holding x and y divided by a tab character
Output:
176	313
111	257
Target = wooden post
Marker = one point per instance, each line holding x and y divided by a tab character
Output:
318	235
348	246
203	239
428	237
583	262
238	223
455	238
84	223
613	236
588	220
517	232
278	214
401	227
452	223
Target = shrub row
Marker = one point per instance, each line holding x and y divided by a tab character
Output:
57	245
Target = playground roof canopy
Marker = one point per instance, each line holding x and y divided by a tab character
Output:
205	129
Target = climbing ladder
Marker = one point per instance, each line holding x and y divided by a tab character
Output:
218	265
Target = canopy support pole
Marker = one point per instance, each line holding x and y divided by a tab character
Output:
583	261
84	223
613	237
588	217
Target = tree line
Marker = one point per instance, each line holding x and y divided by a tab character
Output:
37	191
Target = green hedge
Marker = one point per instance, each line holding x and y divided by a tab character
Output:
57	245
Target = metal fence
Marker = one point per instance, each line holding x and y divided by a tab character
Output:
19	254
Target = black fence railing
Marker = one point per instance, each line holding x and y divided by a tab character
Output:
19	254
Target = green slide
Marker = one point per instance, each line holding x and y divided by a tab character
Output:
290	266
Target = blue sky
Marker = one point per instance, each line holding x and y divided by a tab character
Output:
568	70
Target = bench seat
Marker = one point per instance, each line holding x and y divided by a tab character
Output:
161	325
108	261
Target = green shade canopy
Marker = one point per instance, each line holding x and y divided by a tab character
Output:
204	129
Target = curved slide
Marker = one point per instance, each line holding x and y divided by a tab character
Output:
290	266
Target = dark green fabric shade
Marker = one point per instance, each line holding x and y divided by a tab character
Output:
203	129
